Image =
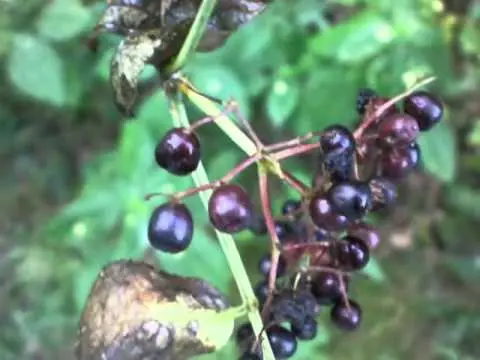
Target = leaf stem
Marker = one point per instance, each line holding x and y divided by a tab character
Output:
194	35
226	241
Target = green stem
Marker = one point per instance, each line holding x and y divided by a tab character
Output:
226	241
195	34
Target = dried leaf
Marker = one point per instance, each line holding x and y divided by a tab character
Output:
132	54
135	312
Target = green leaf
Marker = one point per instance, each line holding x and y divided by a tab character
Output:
62	20
281	101
356	40
438	151
465	199
36	69
374	271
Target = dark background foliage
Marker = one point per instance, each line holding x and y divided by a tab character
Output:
74	172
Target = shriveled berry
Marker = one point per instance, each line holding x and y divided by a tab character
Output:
230	208
283	342
364	96
324	216
425	107
397	129
352	199
327	287
399	162
170	228
307	330
291	207
346	317
351	253
178	152
366	233
384	193
338	147
265	264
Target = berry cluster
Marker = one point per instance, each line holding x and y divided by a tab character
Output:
322	237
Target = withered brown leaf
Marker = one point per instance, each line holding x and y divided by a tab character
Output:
135	312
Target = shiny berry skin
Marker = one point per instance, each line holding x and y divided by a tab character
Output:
425	107
397	129
230	209
352	199
366	233
291	207
364	96
283	342
326	287
384	193
320	234
344	317
351	253
337	139
323	215
265	264
178	152
307	330
397	163
170	228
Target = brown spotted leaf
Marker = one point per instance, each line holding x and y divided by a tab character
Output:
135	312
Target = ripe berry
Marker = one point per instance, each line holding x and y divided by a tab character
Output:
323	215
283	229
261	292
178	152
400	162
326	287
283	342
337	139
170	228
291	207
265	264
364	96
307	330
230	208
425	107
397	129
346	317
384	193
351	254
352	199
366	233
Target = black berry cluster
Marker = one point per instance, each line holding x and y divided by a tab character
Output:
323	236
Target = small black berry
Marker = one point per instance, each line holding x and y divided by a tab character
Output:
307	330
283	229
352	199
265	264
351	253
230	208
178	152
346	317
397	129
326	287
425	107
384	193
364	96
366	233
337	139
323	215
399	162
170	228
283	342
261	292
291	207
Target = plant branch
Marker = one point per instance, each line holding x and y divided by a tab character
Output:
226	241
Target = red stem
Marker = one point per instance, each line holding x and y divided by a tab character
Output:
297	150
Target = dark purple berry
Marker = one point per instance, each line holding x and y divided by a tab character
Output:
323	215
321	234
337	139
384	193
397	129
230	208
265	264
352	199
170	228
178	152
283	342
307	330
364	96
291	207
326	287
346	317
283	230
351	254
399	162
261	292
425	107
366	233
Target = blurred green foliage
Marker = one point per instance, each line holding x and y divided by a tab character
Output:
76	172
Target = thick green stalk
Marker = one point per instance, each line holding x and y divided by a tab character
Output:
227	243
